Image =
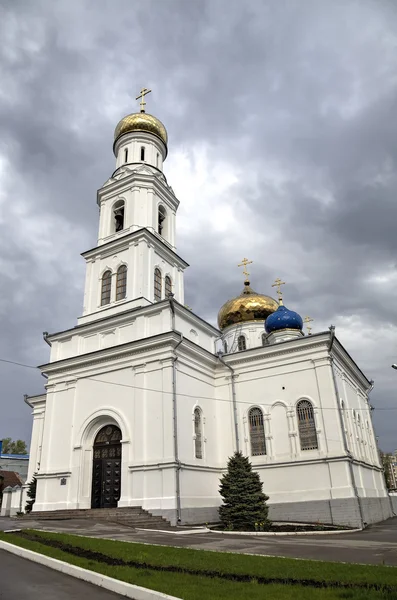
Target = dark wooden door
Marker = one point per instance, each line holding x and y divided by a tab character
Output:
106	475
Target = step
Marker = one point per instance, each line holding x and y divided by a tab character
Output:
134	516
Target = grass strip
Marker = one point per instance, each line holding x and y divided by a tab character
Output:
190	587
101	555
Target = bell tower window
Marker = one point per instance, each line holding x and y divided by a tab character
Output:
118	216
157	285
126	155
143	153
106	288
167	286
161	220
121	283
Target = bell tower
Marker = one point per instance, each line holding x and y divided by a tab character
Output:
135	261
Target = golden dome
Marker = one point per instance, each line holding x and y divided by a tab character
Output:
141	122
248	306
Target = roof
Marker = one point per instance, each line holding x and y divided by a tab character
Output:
9	478
17	456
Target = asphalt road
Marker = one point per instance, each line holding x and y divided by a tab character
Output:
375	545
22	579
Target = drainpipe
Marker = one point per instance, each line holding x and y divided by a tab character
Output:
45	338
234	399
175	412
350	458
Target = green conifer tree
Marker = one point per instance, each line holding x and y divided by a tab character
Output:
31	494
244	503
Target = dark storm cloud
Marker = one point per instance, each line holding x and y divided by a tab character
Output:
298	99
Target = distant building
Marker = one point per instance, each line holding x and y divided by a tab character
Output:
15	462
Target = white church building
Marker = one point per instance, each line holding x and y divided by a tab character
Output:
145	401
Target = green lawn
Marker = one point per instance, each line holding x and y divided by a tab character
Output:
198	573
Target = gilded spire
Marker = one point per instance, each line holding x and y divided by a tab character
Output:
278	283
142	95
244	264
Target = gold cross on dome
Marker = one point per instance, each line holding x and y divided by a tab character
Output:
308	320
142	95
278	283
244	264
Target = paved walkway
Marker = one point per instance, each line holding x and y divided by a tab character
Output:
375	545
23	579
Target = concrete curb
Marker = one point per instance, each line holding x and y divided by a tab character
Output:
187	532
108	583
271	533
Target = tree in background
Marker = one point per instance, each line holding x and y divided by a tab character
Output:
387	469
244	503
14	447
31	494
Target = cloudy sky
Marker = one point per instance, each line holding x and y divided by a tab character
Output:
282	147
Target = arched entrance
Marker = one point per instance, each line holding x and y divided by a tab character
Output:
106	470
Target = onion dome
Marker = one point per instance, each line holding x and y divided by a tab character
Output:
141	121
248	306
283	318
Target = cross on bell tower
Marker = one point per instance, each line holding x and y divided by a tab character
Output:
142	95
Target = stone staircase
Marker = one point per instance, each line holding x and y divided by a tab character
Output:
133	516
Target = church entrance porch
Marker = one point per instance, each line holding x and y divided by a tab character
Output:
106	470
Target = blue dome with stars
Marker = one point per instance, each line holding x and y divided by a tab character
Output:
283	318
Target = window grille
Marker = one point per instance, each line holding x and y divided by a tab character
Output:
306	426
161	218
157	285
257	432
168	286
106	288
198	441
110	434
121	283
241	343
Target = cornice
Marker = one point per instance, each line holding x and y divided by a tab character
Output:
120	243
153	179
104	355
340	353
295	346
115	320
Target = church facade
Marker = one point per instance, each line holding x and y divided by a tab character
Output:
145	401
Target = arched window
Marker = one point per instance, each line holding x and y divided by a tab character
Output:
264	339
161	219
167	286
121	283
241	343
306	425
143	153
126	155
157	285
157	160
118	215
257	432
225	347
106	287
198	433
